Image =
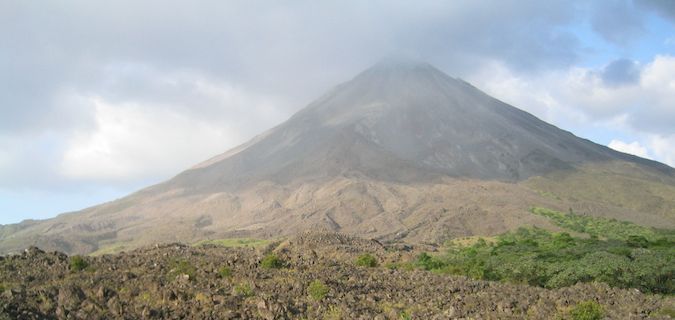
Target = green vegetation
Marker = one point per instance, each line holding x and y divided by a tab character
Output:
630	256
604	228
112	249
225	272
587	310
271	261
333	313
77	264
181	267
366	260
666	312
235	242
244	290
317	290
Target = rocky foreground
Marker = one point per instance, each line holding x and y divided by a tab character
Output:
314	277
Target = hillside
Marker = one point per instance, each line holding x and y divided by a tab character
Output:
313	276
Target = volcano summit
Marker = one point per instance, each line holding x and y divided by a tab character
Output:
400	152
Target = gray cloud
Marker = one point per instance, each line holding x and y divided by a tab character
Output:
229	63
621	72
617	21
665	8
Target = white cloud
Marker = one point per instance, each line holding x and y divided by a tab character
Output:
143	138
663	147
634	148
578	97
132	141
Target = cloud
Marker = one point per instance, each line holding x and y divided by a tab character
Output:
621	72
633	148
665	8
663	147
133	140
616	21
580	98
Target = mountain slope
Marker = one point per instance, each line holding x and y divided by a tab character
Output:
403	121
402	151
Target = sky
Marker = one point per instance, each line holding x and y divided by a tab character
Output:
101	98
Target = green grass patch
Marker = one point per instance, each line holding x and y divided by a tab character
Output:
317	290
604	228
366	260
665	312
78	263
271	261
112	249
181	267
244	290
235	242
225	272
587	310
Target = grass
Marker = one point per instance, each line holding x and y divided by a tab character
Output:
317	290
366	260
271	261
587	310
603	227
112	249
235	242
225	272
77	264
244	290
620	184
665	312
181	267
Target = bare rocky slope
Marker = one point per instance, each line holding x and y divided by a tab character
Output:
316	277
400	152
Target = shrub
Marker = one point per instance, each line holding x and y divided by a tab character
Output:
244	290
587	310
77	263
317	290
427	262
637	241
625	257
182	267
271	261
225	272
366	260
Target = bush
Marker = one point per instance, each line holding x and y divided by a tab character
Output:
366	260
587	310
317	290
225	272
182	267
244	290
427	262
623	258
271	261
77	263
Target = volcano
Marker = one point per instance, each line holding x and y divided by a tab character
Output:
402	152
